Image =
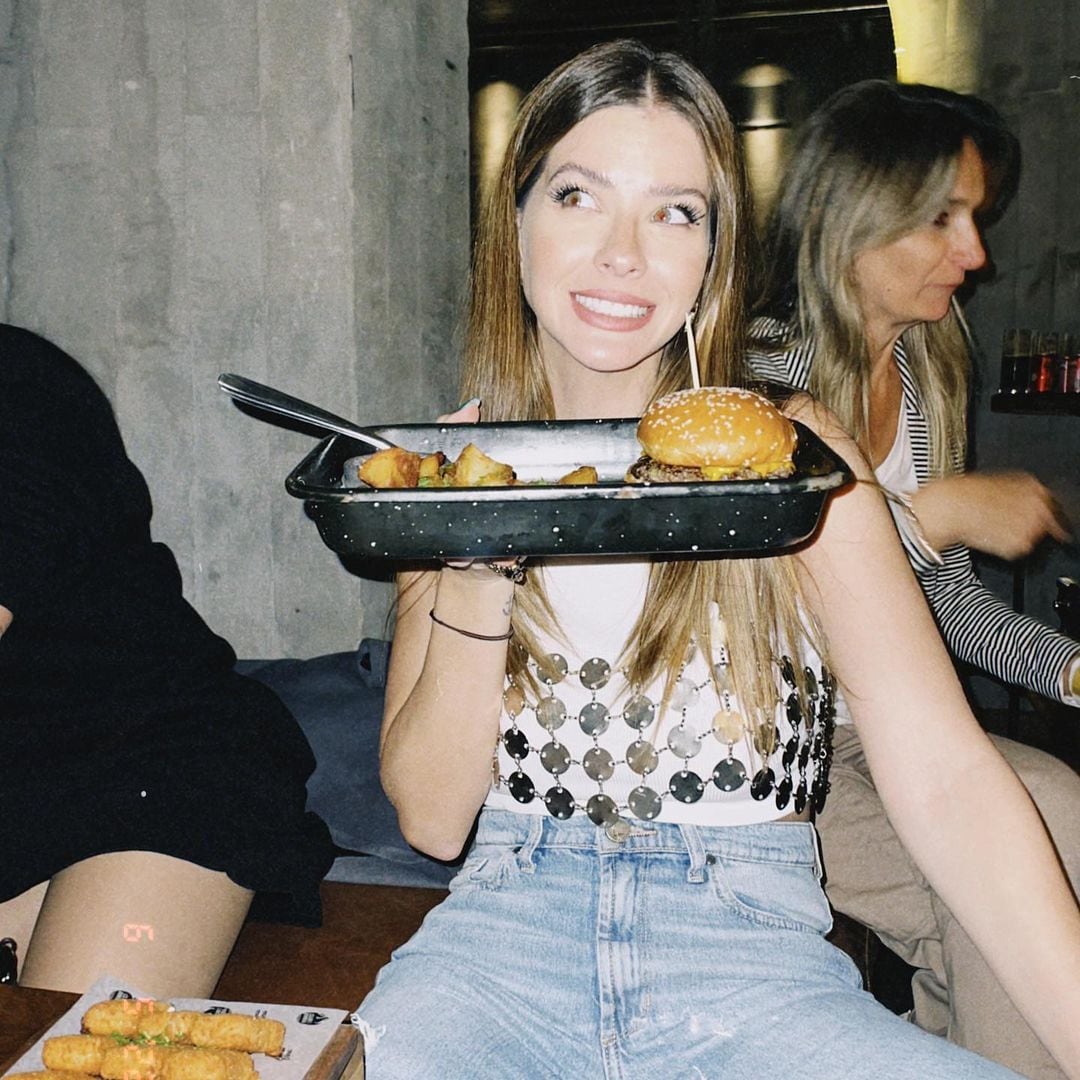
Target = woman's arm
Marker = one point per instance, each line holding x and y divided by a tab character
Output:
1000	513
443	701
983	630
957	806
5	619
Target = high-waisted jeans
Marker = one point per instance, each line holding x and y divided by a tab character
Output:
561	954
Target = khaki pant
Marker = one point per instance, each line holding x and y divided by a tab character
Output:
870	877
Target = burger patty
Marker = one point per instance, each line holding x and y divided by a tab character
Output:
647	471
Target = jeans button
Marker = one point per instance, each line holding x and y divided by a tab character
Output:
617	830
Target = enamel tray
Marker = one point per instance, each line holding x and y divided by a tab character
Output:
545	519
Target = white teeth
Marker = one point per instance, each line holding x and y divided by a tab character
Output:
609	307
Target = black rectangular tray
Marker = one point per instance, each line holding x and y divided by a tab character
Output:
607	518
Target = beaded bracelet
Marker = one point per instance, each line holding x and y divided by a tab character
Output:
471	633
515	572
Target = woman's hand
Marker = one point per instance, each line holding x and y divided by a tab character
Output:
1000	513
469	413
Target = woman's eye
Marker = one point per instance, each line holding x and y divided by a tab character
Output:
679	214
573	197
941	220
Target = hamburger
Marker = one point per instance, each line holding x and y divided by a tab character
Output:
713	433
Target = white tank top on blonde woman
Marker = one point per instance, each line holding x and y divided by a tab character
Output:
589	735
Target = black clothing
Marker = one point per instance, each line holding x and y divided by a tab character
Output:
122	723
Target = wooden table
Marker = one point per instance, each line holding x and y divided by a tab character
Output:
25	1015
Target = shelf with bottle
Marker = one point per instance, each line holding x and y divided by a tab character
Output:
1040	373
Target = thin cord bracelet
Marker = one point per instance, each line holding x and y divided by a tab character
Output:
471	633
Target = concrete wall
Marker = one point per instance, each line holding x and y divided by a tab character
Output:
273	187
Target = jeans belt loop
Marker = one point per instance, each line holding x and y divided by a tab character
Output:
527	849
696	849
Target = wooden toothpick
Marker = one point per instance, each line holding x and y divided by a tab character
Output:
694	374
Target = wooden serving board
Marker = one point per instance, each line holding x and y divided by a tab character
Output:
342	1059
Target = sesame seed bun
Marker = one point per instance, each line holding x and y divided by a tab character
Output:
715	433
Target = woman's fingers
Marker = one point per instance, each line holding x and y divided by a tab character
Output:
469	413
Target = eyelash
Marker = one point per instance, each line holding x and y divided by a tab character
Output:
692	213
560	194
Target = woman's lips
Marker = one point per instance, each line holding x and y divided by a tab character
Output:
612	311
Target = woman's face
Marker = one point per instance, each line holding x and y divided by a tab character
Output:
614	241
913	279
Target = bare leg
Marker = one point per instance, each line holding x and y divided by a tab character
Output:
164	925
18	916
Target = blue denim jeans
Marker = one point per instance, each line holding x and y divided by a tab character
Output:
561	954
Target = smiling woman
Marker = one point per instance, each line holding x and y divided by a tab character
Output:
639	743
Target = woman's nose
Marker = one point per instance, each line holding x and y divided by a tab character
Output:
969	252
620	251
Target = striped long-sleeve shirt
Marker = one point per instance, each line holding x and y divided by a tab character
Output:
977	625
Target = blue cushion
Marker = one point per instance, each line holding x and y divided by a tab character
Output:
338	700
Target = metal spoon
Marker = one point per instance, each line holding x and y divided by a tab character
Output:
266	397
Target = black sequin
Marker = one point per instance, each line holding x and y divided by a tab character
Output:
521	787
762	784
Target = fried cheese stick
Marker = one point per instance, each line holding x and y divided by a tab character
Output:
230	1031
222	1031
121	1017
76	1053
134	1062
47	1074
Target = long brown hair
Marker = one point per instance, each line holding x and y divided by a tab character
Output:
874	163
503	366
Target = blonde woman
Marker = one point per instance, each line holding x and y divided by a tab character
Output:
877	225
611	919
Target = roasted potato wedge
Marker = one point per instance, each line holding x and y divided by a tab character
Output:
474	468
392	468
583	474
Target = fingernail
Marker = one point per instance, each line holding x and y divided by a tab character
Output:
472	401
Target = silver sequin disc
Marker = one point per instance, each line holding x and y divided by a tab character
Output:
601	809
595	673
766	739
644	803
559	802
642	757
727	726
722	678
593	718
683	742
555	758
550	713
729	775
639	712
598	764
551	668
686	786
683	694
513	700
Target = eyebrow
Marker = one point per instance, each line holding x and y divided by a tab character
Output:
603	180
